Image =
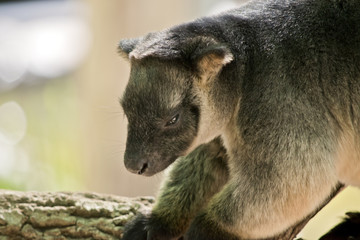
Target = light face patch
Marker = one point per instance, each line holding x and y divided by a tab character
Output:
155	89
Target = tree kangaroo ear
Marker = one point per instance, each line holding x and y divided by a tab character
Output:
126	46
209	57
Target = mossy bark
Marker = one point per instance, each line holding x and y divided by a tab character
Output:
64	215
69	215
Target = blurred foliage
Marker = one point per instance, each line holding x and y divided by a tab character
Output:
8	184
51	144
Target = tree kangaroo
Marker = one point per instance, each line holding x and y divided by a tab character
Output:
259	110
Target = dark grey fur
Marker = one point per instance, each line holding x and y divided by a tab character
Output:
279	82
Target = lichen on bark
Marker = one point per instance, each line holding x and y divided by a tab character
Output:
65	215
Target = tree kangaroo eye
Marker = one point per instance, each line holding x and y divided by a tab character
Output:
173	120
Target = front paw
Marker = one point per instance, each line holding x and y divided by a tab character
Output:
161	235
145	227
136	229
160	230
202	228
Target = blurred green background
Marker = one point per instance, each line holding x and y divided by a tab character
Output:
61	127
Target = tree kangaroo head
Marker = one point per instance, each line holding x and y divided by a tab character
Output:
165	99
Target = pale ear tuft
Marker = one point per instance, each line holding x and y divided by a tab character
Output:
210	57
228	58
126	46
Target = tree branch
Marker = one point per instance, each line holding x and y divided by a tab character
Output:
65	215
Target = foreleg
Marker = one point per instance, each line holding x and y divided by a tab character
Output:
193	180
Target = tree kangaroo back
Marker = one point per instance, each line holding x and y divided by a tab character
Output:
259	108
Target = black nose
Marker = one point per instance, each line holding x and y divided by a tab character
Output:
143	169
135	165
